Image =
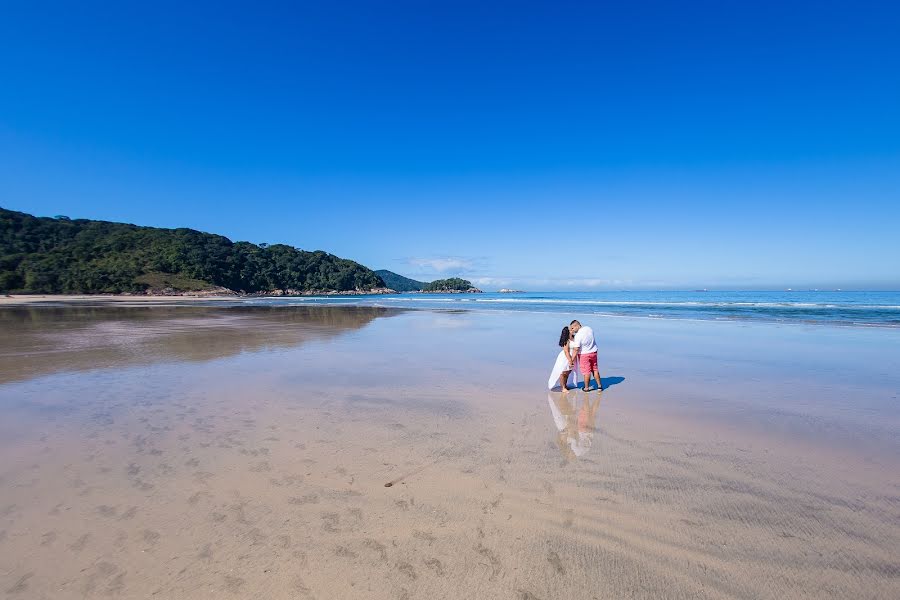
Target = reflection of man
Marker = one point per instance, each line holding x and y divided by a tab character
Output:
587	353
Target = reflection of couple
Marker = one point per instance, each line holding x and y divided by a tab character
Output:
575	424
578	349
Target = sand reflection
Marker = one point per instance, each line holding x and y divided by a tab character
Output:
39	340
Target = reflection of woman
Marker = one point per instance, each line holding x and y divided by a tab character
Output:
564	418
565	362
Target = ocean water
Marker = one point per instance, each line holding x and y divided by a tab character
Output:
866	309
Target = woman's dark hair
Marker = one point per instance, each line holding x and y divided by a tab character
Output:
564	337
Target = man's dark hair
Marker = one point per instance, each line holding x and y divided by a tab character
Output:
573	322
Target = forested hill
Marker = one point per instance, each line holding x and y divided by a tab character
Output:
454	284
399	282
79	256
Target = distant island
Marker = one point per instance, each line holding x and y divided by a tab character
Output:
399	282
509	291
43	255
454	285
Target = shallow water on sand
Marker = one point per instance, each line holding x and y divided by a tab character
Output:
200	452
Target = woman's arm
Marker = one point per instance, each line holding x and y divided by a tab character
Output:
569	356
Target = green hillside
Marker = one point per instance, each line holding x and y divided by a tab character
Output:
79	256
399	282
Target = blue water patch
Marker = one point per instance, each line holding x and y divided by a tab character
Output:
881	309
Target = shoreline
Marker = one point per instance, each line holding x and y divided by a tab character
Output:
844	317
20	299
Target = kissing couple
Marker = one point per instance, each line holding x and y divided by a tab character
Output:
578	349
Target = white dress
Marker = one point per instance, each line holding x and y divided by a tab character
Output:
561	366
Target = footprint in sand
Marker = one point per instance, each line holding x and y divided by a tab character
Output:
256	537
233	584
554	560
48	538
378	547
307	499
151	538
345	552
300	586
79	544
101	571
21	584
424	536
142	485
197	496
330	522
202	476
492	558
436	566
407	569
116	586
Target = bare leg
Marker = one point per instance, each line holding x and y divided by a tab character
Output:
587	380
563	379
597	377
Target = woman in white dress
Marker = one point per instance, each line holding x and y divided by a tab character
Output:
565	362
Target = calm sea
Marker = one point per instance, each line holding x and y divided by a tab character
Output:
874	309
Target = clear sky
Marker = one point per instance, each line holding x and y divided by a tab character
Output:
569	146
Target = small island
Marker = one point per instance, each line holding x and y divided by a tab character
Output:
509	291
454	285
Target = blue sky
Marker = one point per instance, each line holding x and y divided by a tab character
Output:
568	146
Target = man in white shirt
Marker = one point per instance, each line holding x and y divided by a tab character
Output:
587	353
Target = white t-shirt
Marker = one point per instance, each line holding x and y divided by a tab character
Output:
584	339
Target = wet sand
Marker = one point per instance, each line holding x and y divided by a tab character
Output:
202	452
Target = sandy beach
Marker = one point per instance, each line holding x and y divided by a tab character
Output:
204	451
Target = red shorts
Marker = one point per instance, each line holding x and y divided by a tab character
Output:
588	363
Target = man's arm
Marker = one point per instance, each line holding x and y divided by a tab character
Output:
577	341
